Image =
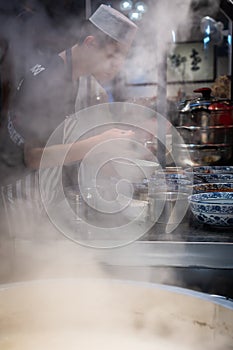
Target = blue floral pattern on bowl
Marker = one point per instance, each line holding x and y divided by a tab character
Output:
209	174
214	220
162	182
208	169
213	208
213	197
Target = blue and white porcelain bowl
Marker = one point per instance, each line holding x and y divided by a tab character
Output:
165	182
208	169
212	208
210	178
213	187
209	174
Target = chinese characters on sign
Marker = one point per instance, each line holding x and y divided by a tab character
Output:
196	59
188	62
177	60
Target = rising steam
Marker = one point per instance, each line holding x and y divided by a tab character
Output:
165	16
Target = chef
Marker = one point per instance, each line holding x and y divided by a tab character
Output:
39	106
104	42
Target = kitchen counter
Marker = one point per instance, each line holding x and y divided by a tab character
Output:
193	256
190	244
190	230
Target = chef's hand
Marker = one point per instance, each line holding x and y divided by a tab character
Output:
117	133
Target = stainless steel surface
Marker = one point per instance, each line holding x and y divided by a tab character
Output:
219	134
205	118
171	254
205	111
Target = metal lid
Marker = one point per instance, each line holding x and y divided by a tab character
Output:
205	102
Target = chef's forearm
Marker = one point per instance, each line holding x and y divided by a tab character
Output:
58	154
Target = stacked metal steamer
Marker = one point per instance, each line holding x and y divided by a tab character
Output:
205	131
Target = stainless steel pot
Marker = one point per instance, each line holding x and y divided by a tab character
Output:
205	125
64	313
217	135
205	111
202	154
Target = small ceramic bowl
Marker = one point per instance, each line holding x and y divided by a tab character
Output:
134	170
213	187
212	208
208	174
197	178
208	169
168	182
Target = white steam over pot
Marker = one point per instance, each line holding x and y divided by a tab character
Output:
101	314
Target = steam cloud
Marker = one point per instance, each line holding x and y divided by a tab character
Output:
165	16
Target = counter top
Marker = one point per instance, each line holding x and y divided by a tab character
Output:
171	254
191	231
189	245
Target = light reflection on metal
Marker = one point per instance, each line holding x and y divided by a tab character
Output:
229	39
206	40
208	25
212	30
208	30
173	36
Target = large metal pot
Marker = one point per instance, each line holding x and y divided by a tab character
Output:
205	111
205	125
100	314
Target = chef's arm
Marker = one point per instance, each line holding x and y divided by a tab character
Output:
68	153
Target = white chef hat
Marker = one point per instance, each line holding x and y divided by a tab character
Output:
115	24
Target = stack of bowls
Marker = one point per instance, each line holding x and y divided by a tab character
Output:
163	181
212	199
